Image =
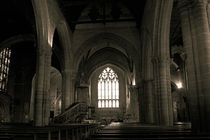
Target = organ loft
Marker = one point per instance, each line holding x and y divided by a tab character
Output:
104	69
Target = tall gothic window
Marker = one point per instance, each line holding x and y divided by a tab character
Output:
108	89
4	68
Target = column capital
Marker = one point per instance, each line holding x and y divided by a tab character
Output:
160	60
83	85
132	89
184	5
46	51
71	72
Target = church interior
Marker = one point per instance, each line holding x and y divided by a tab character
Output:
104	69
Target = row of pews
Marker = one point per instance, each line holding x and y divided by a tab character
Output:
54	132
63	127
135	131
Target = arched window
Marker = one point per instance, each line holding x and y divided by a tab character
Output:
108	89
4	68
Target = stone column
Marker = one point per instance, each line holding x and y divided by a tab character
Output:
66	89
208	8
163	93
44	45
39	89
134	103
148	81
38	110
196	38
47	71
82	93
72	87
42	87
157	25
148	89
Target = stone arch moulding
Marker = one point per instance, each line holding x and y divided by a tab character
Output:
65	38
103	66
106	64
16	39
95	41
102	57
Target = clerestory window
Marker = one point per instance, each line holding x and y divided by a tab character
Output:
108	89
4	68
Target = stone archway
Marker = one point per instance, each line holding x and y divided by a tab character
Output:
104	40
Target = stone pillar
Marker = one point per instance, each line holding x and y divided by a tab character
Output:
44	40
82	93
42	86
68	88
47	100
208	7
38	110
148	89
157	26
196	39
134	103
164	108
163	93
142	107
72	87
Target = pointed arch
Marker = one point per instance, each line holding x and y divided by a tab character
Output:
94	44
108	89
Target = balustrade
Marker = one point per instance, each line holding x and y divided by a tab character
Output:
71	114
58	132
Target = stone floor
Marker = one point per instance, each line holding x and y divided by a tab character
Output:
135	131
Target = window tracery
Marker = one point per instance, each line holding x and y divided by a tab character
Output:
108	89
4	68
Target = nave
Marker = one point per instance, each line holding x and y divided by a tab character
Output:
67	63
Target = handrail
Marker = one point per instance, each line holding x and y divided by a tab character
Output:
71	131
72	113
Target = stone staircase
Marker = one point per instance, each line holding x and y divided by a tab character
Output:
132	131
75	113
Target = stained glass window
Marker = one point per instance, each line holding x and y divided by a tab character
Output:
4	68
108	89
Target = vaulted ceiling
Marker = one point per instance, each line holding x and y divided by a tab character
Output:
17	16
72	10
